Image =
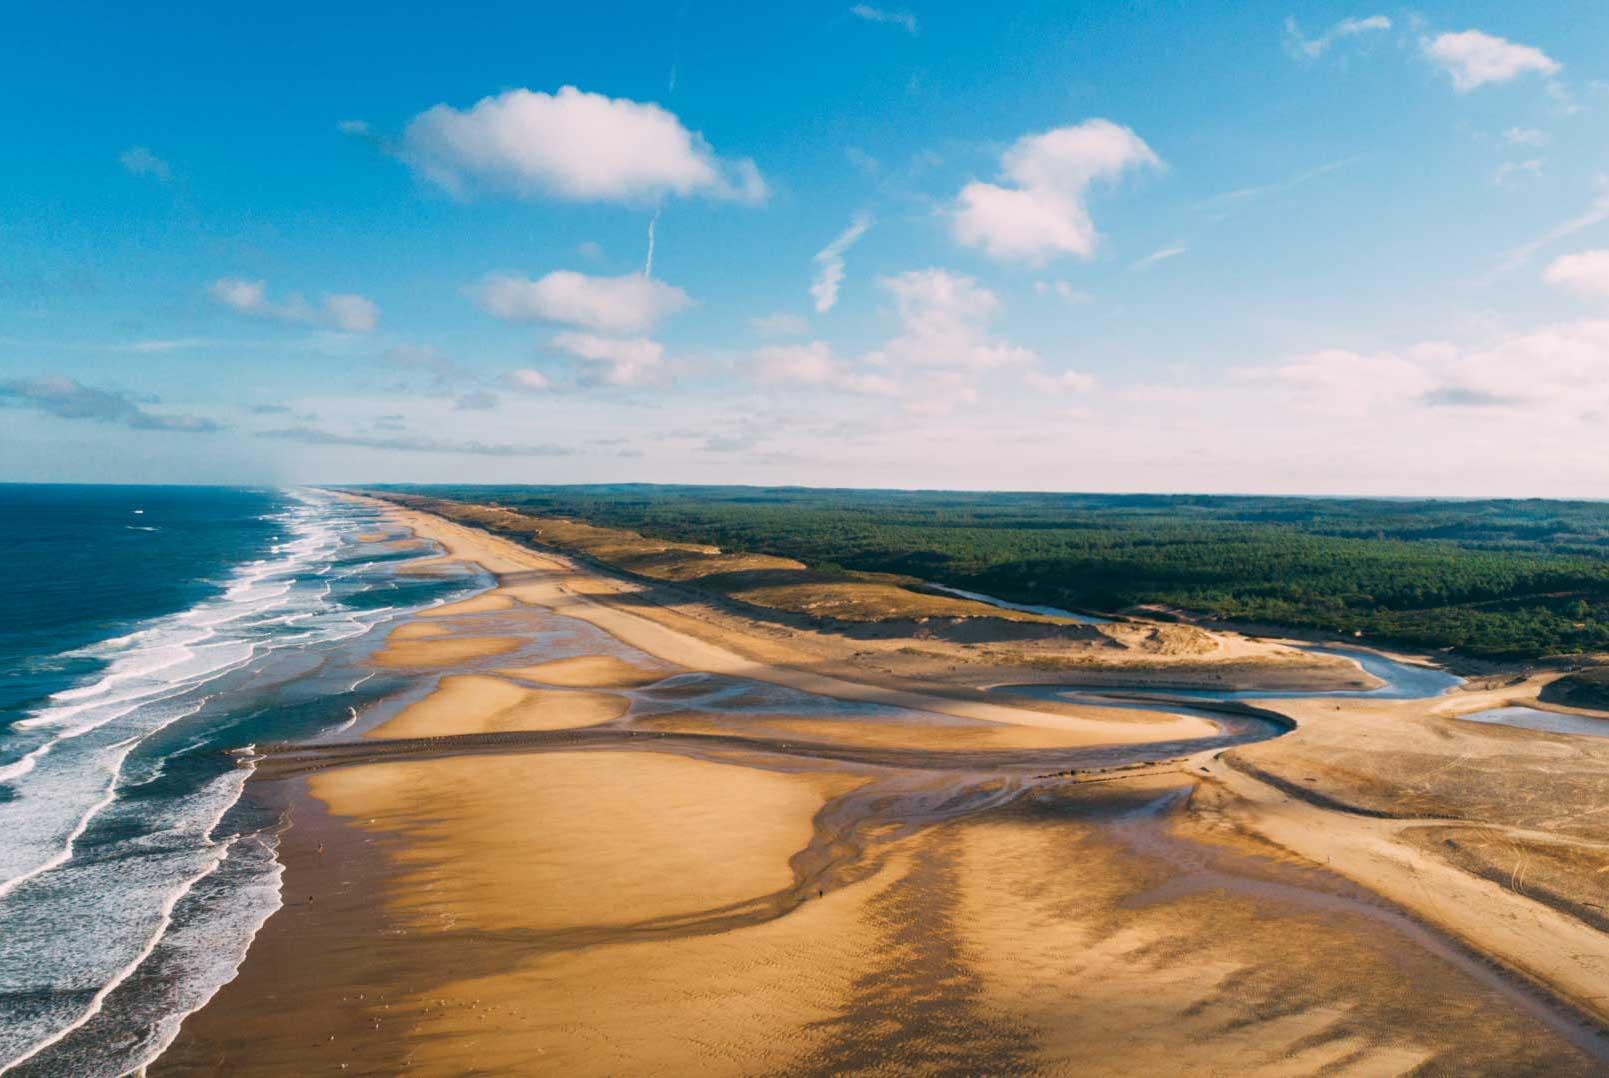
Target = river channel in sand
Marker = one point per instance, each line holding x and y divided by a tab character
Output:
727	869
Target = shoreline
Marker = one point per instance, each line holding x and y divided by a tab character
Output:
374	860
326	916
782	636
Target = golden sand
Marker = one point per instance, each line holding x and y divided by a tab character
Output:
1076	938
611	840
480	604
872	733
761	999
444	652
668	634
590	672
624	911
478	704
417	630
621	837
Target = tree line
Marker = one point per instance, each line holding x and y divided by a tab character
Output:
1510	579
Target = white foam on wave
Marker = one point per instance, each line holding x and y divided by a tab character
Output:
254	903
351	721
156	662
73	774
121	750
209	864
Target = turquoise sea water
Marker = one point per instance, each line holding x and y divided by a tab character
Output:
149	638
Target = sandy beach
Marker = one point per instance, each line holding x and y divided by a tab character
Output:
622	830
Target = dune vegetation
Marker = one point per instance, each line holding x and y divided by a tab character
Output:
1498	579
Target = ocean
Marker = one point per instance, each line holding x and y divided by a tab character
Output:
150	639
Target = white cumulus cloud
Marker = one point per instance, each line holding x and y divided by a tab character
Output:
574	145
1474	59
1040	211
247	297
942	346
618	361
944	322
1585	273
815	364
1559	371
351	312
628	304
830	263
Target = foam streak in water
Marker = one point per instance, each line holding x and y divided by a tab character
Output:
114	819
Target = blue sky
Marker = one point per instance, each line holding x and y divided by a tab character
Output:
1317	248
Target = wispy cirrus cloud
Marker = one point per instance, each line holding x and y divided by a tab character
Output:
1062	290
887	16
1509	171
140	161
1526	136
1154	257
1596	213
158	345
1228	200
830	263
67	398
345	311
1311	48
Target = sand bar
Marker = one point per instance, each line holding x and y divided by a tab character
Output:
557	583
477	704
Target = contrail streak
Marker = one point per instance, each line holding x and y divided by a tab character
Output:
648	266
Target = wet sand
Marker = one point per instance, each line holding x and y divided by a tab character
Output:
724	876
1075	930
415	650
477	704
1447	819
